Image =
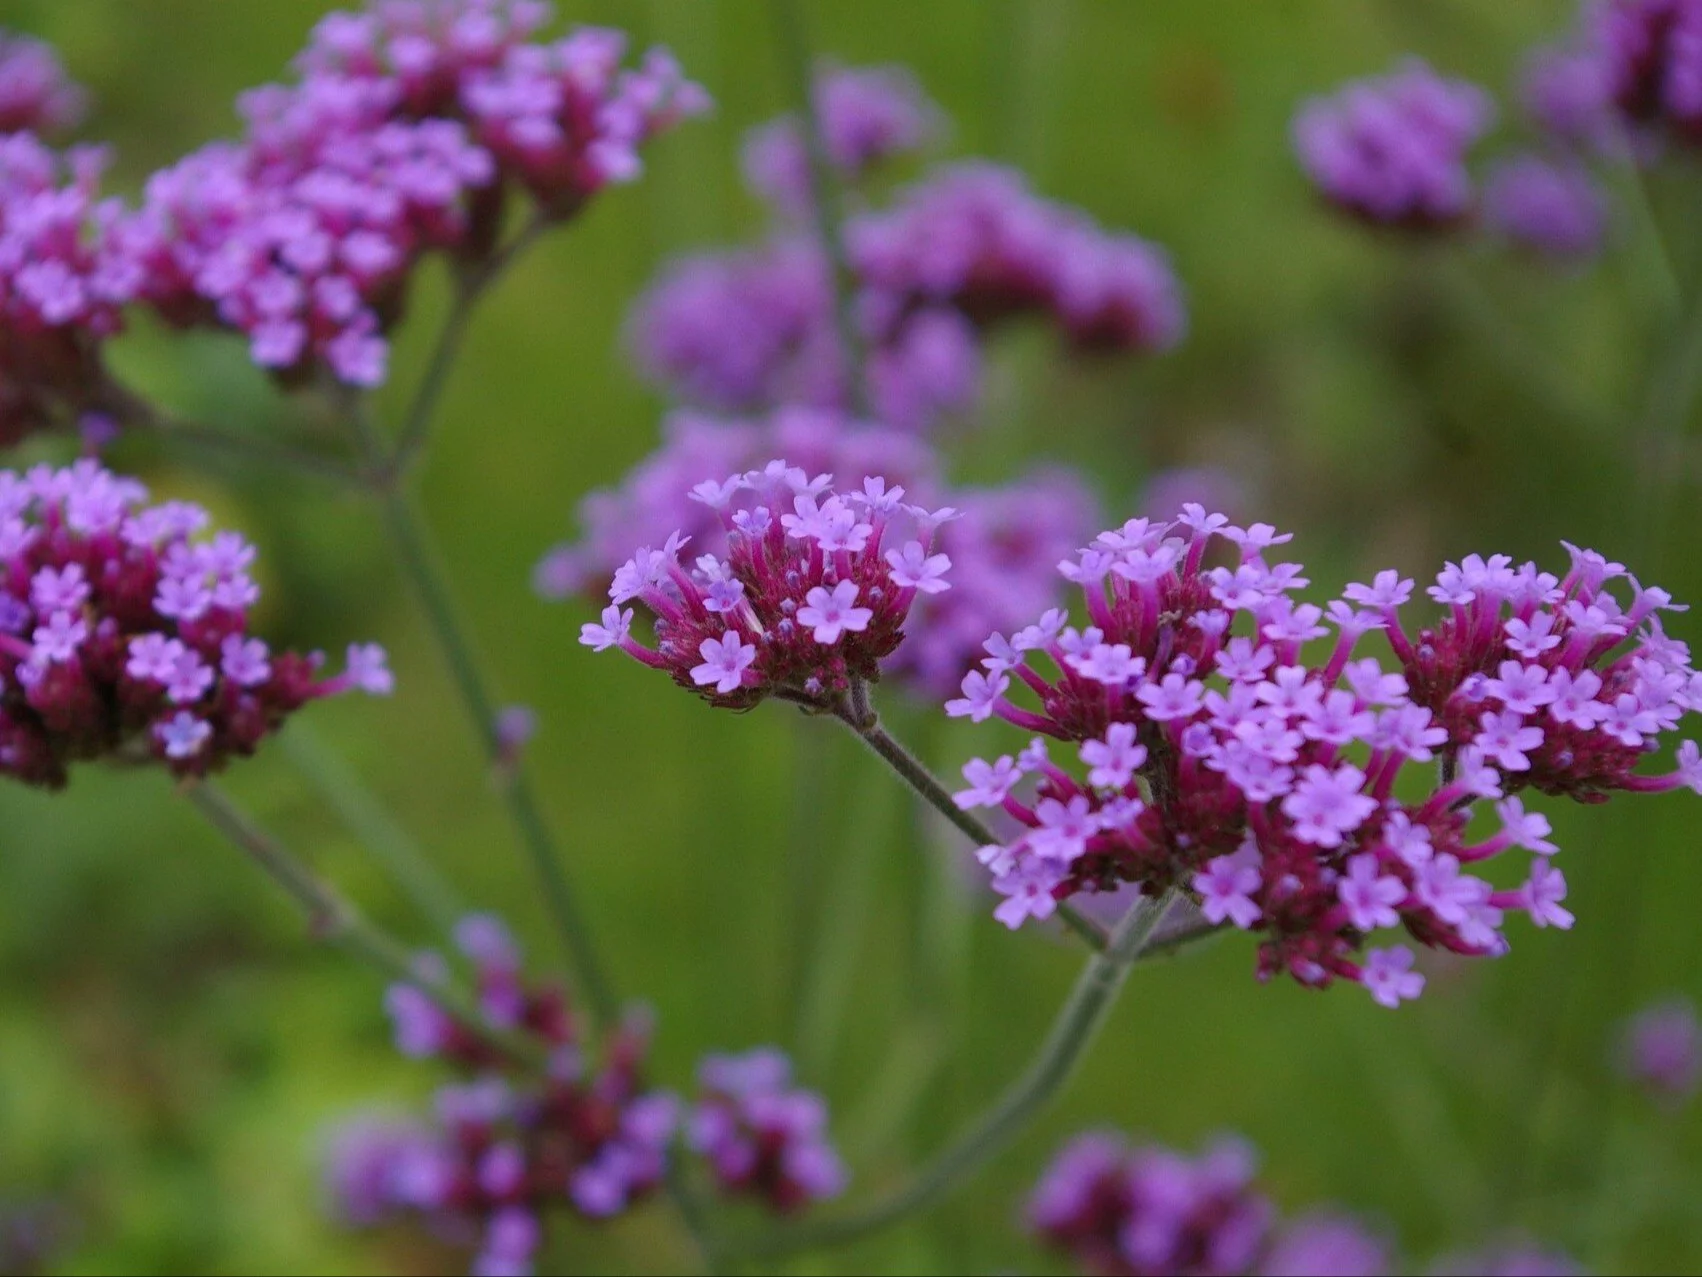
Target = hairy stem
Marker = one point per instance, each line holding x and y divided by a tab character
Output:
335	920
373	825
826	203
1072	1032
916	774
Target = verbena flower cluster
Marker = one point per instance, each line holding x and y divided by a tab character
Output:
66	274
1661	1050
868	115
35	93
1215	758
1151	1211
409	131
124	633
1003	548
811	595
760	1135
409	128
1148	1211
507	1144
955	255
1393	151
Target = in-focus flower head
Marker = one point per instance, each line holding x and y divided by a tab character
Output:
867	115
1151	1211
508	1145
807	601
761	1135
123	633
1266	784
1392	149
1661	1050
35	93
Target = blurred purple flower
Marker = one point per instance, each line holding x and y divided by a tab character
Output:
1661	1050
1552	207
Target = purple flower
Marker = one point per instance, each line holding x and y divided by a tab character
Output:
725	661
1325	1244
1392	150
832	613
36	96
1551	207
1661	1050
1389	976
761	1136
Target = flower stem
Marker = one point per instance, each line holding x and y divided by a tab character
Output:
826	203
373	825
916	774
335	920
419	562
1072	1032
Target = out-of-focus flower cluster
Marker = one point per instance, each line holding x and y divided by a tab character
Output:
1393	151
1003	548
1148	1211
66	274
1661	1050
406	131
960	252
507	1144
811	594
35	93
1276	789
124	633
409	130
760	1135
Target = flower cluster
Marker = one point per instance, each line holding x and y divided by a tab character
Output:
124	633
1151	1211
399	139
811	595
1635	68
65	275
867	115
35	93
762	1136
507	1145
1661	1050
1225	764
1137	1211
1392	150
1552	206
956	254
1002	549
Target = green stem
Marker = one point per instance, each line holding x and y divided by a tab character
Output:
373	826
419	562
826	199
916	774
1072	1032
470	285
335	920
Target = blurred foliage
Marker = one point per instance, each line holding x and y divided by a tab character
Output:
174	1048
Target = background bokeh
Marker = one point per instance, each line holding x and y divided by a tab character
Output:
172	1049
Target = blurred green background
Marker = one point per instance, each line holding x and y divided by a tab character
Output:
173	1050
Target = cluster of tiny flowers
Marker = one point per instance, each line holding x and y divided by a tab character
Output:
507	1145
1552	206
1393	150
124	633
761	1136
65	275
969	247
1661	1050
867	115
1148	1211
1002	549
561	118
35	93
1151	1212
1222	763
810	596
